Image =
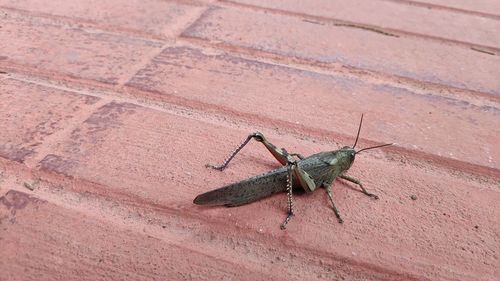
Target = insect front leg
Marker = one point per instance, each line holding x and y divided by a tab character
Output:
279	153
353	180
328	188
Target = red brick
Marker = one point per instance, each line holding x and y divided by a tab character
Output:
30	113
158	158
489	7
44	241
157	18
397	16
292	37
48	46
328	105
114	177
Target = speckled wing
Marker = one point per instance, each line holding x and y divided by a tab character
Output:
246	191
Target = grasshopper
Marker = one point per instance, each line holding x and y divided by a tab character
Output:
308	173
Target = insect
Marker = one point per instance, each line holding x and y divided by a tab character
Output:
309	173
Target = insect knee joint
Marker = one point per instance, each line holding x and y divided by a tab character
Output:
258	136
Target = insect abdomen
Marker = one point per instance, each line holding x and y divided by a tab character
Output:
245	191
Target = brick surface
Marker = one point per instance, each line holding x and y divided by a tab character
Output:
150	17
158	157
490	7
293	37
48	46
438	24
109	111
30	113
244	86
45	241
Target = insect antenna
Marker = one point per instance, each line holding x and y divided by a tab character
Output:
377	146
359	130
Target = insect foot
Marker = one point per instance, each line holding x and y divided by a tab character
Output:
283	225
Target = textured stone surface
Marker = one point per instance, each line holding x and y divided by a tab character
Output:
151	17
45	241
30	113
364	49
52	47
160	162
108	116
282	96
438	24
488	7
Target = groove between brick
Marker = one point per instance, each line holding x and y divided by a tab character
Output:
215	114
360	73
173	34
493	50
49	144
445	8
115	204
259	55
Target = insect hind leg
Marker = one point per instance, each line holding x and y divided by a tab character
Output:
279	153
231	156
289	189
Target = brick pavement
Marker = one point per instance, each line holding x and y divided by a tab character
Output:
109	111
